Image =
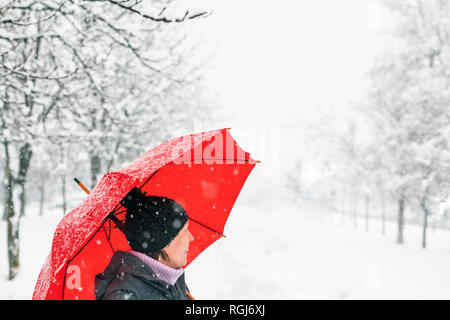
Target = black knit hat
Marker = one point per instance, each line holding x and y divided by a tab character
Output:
151	222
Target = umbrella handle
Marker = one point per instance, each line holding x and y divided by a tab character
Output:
81	185
189	295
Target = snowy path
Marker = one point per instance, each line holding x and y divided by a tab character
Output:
288	256
282	254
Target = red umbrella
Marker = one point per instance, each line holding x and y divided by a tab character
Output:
204	172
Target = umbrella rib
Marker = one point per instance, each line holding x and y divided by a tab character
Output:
116	208
108	237
203	225
119	212
244	160
149	178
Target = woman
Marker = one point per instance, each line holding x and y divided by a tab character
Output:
157	230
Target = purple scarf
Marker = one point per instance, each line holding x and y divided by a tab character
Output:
162	271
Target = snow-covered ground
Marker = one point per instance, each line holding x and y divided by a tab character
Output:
282	252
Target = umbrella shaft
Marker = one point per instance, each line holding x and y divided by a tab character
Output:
220	234
82	186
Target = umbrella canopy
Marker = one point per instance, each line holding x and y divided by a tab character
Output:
203	172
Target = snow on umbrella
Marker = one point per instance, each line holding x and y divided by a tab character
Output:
203	172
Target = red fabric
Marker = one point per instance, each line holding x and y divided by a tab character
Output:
204	172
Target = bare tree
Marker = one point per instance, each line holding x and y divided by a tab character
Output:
409	106
104	75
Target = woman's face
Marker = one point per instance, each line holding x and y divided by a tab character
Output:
177	249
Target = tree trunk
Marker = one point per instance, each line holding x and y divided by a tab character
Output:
41	198
401	211
22	199
24	164
12	224
95	169
425	223
13	220
355	209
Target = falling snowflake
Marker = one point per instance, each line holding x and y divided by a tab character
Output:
176	223
127	296
209	189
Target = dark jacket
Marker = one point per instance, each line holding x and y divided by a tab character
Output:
128	278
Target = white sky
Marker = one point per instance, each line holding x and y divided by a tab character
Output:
279	62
